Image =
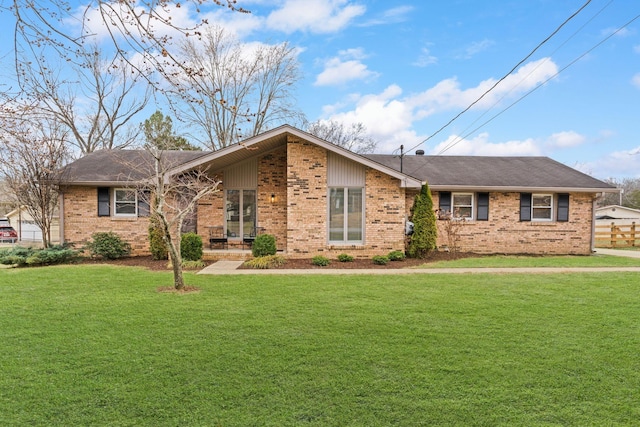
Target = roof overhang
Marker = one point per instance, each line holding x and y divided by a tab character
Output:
272	139
490	189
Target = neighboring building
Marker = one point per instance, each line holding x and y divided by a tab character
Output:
27	229
318	198
618	215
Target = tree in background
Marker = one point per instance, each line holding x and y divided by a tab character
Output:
629	197
96	101
237	91
425	234
353	138
158	133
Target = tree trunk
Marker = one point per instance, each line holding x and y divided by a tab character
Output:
176	260
178	280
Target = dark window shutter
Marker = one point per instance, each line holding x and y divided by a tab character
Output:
445	201
483	207
104	208
525	206
563	207
143	203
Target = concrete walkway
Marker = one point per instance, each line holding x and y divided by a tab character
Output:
230	267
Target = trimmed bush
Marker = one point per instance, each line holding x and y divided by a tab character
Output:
29	256
380	260
157	247
396	256
320	261
345	258
191	247
264	245
108	245
266	262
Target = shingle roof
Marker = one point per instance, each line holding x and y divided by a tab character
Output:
492	172
440	172
112	166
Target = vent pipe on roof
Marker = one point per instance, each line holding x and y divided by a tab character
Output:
419	152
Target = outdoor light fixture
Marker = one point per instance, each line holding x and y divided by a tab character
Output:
273	198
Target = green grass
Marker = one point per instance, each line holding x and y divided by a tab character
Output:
97	345
511	261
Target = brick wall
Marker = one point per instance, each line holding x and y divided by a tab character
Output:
505	233
306	199
81	220
272	180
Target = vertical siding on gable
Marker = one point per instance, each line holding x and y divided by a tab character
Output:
243	175
344	172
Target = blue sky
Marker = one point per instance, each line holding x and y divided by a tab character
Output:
404	69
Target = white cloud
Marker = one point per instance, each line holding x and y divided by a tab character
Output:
477	47
482	146
565	139
425	59
390	117
447	94
636	48
316	16
635	80
345	67
616	164
390	16
619	32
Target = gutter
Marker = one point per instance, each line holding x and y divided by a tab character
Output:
518	189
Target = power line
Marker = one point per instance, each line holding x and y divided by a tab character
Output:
456	141
460	138
503	77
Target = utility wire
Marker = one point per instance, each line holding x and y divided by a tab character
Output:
540	84
457	140
503	77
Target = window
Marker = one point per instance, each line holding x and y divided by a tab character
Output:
125	202
462	205
346	215
541	207
241	212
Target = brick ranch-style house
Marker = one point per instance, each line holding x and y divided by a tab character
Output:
317	198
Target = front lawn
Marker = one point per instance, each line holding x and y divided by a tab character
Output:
514	261
98	345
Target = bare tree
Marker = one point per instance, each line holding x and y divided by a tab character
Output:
629	195
32	154
171	197
134	28
353	138
97	105
235	92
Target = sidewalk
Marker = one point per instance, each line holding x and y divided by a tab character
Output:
230	267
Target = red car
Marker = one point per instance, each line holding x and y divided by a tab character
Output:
8	234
